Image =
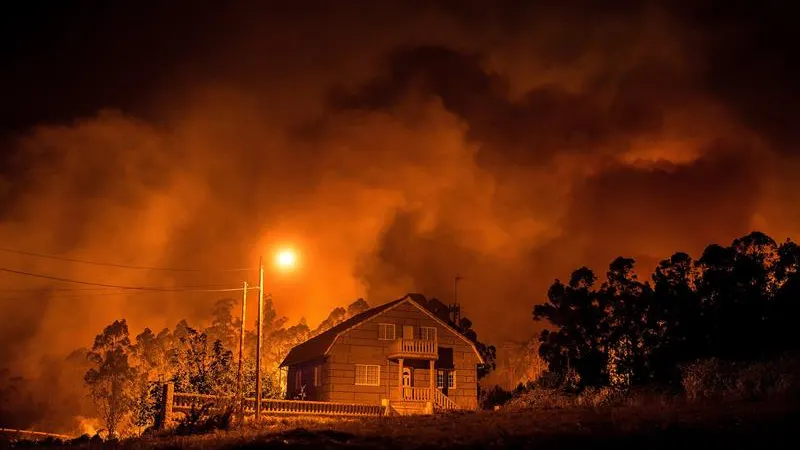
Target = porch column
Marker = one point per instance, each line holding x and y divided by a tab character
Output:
400	377
433	377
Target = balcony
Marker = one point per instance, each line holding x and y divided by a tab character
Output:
414	348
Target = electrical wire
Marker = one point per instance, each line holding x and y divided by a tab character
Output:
115	286
126	294
122	266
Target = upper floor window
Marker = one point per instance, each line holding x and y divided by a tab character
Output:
386	331
427	333
368	375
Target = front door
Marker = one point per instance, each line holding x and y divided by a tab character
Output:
407	382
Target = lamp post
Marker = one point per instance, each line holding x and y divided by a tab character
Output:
260	335
285	260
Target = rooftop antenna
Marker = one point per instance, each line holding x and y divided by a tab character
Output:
455	308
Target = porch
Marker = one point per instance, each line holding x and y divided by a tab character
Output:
417	391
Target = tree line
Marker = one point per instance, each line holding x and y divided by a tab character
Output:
126	375
736	303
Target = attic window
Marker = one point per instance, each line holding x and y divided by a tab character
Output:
386	331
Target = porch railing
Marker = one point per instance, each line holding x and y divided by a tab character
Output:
442	401
417	394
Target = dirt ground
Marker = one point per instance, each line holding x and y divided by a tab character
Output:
657	426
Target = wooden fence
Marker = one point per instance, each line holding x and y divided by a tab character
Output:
182	402
32	435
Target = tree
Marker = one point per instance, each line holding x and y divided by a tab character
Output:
487	352
676	317
111	379
205	369
786	306
224	327
579	343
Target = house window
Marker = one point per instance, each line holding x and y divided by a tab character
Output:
386	331
427	333
446	375
368	375
317	376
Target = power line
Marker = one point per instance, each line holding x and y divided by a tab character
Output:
126	293
114	286
123	266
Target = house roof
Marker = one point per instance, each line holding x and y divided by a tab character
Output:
318	346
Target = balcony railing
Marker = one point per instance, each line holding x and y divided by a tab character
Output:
414	348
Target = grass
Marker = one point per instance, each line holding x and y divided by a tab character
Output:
651	425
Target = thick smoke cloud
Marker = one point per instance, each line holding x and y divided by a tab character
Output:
394	145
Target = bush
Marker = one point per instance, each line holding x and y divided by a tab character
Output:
715	378
497	396
201	421
542	398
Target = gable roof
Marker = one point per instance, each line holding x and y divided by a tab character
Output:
318	346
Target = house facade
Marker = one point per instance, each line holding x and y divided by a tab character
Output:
404	354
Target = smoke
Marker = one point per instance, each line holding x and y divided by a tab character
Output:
393	147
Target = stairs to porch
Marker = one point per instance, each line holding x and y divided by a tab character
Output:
417	400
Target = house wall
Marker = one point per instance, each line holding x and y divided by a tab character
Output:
307	378
360	345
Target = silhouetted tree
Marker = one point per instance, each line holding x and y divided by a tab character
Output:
111	379
487	352
735	302
676	317
580	341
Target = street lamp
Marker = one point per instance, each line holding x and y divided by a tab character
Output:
285	260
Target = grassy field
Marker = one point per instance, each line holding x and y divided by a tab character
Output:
740	425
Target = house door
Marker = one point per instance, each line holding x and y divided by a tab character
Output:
408	382
408	332
442	381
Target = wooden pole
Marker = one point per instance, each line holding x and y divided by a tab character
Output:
240	375
260	335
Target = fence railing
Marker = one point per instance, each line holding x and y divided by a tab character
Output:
275	406
186	402
32	435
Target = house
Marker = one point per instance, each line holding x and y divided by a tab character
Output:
401	354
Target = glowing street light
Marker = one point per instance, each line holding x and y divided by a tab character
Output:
285	260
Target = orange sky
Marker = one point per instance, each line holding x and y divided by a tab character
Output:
391	153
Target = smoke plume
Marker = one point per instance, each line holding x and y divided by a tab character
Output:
391	145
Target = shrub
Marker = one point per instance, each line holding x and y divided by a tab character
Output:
715	378
497	396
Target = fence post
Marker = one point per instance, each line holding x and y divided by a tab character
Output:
166	408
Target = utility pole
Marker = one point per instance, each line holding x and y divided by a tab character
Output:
260	335
239	376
